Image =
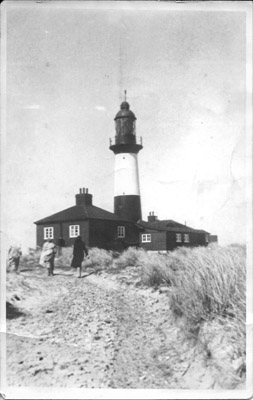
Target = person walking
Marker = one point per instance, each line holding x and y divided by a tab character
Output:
47	256
14	254
78	255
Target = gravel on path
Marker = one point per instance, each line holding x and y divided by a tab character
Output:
95	332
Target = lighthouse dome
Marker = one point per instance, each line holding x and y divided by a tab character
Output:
125	111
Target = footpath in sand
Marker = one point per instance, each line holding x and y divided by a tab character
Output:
101	331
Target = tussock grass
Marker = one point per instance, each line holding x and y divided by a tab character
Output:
208	292
209	282
99	259
130	257
155	270
64	257
30	259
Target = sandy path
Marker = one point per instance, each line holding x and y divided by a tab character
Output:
91	332
98	332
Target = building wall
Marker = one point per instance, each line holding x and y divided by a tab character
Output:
40	233
95	233
84	232
171	241
103	233
198	239
166	240
61	229
195	239
158	241
213	238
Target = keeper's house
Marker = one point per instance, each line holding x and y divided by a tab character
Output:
97	227
103	229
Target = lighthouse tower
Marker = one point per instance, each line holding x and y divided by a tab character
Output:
127	200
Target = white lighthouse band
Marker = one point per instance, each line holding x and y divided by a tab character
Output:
126	175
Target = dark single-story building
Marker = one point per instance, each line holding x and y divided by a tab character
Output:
166	235
97	227
103	229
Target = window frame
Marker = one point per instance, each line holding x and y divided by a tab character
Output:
72	231
48	232
121	231
178	237
147	238
186	238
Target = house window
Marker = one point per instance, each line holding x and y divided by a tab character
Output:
121	231
49	233
207	238
186	238
74	231
178	237
146	237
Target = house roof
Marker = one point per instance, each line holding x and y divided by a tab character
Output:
168	225
81	212
84	212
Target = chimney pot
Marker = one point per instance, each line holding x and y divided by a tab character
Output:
87	190
83	190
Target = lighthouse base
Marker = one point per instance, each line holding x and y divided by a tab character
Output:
128	207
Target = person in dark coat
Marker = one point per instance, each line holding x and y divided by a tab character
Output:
78	255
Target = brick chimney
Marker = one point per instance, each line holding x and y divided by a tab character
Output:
83	198
152	217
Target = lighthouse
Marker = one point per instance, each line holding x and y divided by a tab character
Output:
126	146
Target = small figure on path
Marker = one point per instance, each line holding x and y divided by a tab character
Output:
14	254
48	255
78	255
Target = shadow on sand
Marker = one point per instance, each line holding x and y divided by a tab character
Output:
12	311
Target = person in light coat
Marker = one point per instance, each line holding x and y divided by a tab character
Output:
47	256
14	255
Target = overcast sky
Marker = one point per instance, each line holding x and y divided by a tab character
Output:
184	69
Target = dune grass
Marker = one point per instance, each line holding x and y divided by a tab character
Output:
208	282
207	294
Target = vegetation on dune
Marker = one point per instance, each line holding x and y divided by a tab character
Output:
99	259
208	292
132	257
